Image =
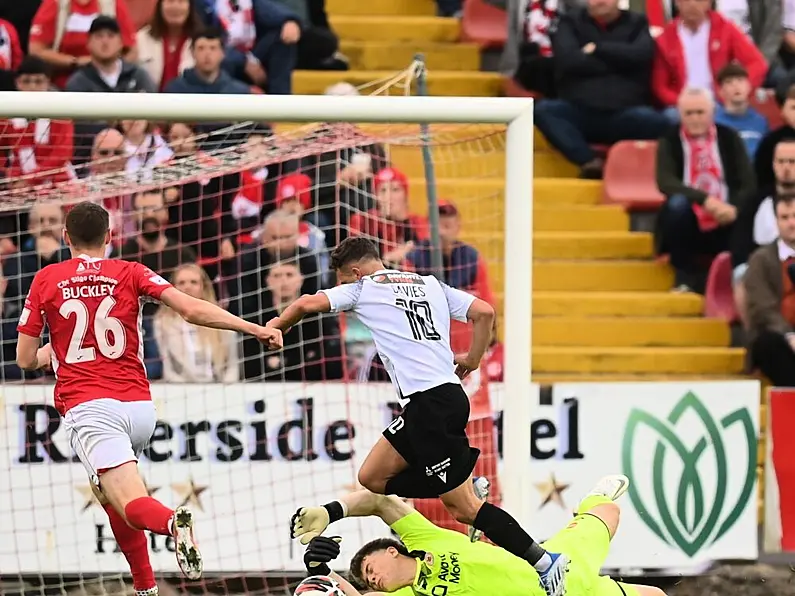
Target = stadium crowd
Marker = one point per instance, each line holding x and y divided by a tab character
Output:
252	236
260	232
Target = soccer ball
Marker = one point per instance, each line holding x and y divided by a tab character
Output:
318	585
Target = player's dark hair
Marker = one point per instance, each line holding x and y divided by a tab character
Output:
375	546
352	250
87	225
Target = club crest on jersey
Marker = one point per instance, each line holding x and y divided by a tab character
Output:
398	278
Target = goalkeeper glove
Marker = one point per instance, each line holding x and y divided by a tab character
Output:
309	522
320	552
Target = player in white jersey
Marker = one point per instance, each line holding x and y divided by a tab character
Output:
424	452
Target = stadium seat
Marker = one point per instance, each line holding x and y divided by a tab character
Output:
484	24
719	297
764	102
511	88
629	176
141	11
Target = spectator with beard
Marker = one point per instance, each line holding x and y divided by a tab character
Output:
770	287
153	248
763	160
247	275
312	348
756	221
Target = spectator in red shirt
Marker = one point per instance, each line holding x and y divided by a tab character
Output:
40	150
694	47
390	223
164	48
10	49
60	38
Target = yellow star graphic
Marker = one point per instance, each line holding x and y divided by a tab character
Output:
551	491
89	498
190	492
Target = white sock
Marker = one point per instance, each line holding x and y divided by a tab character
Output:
543	563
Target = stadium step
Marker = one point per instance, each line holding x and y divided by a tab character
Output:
600	276
580	219
617	332
617	304
677	360
485	161
440	82
388	55
553	192
395	28
592	245
422	8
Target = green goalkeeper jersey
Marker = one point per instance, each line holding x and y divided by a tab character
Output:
454	566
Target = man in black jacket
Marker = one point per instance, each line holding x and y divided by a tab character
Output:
107	72
704	172
603	58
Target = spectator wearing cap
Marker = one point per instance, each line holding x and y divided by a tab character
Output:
40	150
10	49
705	174
60	33
603	57
106	71
464	267
390	224
294	195
734	89
694	47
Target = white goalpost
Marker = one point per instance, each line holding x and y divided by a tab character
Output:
515	114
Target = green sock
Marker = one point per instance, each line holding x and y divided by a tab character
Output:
592	501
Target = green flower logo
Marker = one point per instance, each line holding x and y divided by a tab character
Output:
690	479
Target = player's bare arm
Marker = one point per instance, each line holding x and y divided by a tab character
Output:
206	314
309	522
482	316
30	356
308	304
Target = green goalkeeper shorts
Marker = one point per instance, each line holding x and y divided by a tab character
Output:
586	541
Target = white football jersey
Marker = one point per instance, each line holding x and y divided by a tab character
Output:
409	317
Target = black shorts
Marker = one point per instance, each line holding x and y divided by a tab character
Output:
431	433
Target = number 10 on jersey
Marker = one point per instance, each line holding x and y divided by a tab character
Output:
420	317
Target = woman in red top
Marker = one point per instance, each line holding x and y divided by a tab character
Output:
164	49
63	43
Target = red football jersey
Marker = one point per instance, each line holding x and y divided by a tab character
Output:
92	308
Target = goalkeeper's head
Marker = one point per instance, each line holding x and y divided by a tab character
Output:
385	564
355	258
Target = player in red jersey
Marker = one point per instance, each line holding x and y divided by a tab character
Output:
92	307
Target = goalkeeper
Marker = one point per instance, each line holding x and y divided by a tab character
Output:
432	561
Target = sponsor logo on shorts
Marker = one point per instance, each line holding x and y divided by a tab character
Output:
707	508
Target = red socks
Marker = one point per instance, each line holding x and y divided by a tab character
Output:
150	514
134	545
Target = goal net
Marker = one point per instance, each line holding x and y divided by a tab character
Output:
244	213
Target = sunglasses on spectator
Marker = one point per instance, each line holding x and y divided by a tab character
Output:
110	152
